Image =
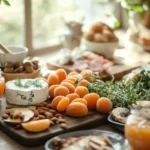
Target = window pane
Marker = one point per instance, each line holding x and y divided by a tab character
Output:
47	19
12	23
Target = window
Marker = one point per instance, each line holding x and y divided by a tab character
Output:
12	23
38	24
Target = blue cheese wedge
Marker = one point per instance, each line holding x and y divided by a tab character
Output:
26	91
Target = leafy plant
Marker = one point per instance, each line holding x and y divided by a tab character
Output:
124	94
139	6
6	2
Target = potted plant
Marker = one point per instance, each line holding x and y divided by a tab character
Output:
6	2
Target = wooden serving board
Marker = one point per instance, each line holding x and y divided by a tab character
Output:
35	139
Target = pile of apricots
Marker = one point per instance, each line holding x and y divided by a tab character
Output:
71	95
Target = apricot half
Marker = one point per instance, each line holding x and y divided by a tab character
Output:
36	126
77	109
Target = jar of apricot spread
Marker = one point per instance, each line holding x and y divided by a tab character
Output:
137	128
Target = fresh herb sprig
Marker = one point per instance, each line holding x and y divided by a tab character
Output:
27	84
124	94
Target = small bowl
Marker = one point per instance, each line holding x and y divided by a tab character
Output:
105	49
13	76
19	54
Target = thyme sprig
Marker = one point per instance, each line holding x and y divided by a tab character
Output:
29	83
124	94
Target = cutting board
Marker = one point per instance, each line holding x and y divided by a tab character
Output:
35	139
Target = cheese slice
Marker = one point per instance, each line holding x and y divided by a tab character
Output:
30	95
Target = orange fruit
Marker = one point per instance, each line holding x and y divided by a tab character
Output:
36	126
77	109
51	89
81	91
83	83
55	101
68	85
91	99
62	75
81	100
61	91
72	96
72	73
63	104
53	79
104	105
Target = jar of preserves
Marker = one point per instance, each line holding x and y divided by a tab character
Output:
2	85
137	128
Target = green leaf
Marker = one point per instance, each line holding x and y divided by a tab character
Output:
117	24
6	3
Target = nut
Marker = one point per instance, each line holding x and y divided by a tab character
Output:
48	114
42	117
52	111
48	105
43	108
58	115
9	70
44	103
54	119
19	69
5	116
35	118
22	117
27	64
36	113
29	69
61	120
64	125
9	65
41	111
18	64
16	115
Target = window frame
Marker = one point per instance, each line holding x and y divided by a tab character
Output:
29	31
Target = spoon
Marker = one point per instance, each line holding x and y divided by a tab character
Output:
5	49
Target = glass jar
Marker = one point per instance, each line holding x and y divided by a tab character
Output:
137	128
2	85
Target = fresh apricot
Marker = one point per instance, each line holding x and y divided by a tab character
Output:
72	73
55	101
81	91
83	83
68	85
77	109
51	89
53	79
72	96
62	75
104	105
91	99
72	78
69	81
81	100
61	91
63	104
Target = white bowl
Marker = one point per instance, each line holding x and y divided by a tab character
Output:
18	55
106	49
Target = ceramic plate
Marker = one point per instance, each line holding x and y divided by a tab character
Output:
117	140
116	124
